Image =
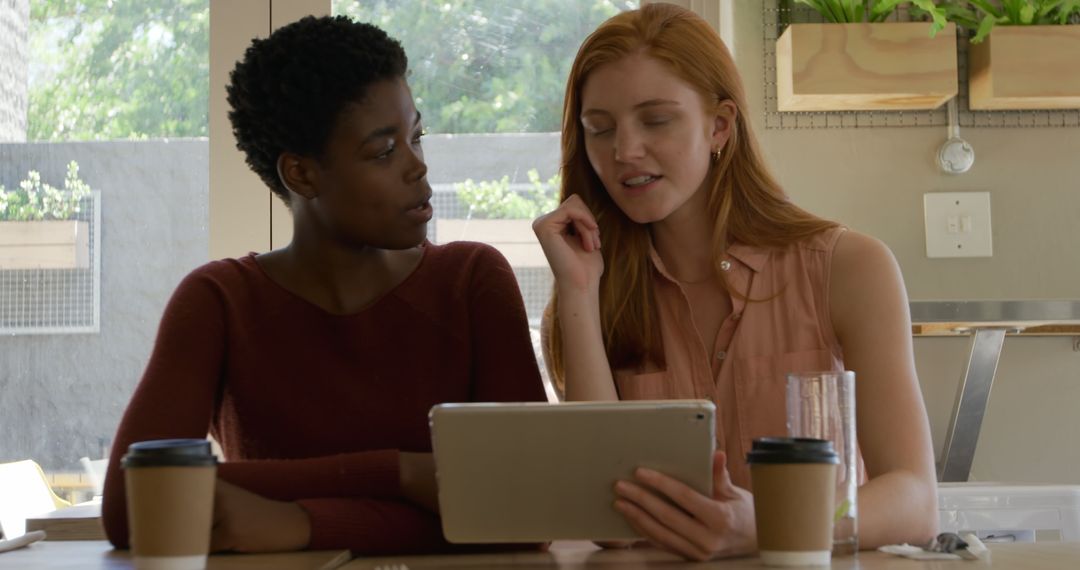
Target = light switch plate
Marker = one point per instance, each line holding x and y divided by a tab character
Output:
957	224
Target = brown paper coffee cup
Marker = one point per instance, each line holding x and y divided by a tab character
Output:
794	486
170	502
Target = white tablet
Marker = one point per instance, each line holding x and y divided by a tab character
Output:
536	472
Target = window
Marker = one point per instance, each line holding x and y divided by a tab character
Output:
119	89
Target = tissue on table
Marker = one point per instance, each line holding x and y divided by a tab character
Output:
946	546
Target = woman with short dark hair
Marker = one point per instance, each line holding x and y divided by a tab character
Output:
315	365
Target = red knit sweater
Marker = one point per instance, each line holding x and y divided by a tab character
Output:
313	407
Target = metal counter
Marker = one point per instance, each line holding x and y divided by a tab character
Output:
987	323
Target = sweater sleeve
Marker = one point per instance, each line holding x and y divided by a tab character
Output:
372	526
176	399
504	362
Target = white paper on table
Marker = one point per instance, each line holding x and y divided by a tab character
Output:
21	541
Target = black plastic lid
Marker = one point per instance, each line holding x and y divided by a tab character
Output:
777	450
169	453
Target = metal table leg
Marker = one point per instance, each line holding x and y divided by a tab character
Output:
971	399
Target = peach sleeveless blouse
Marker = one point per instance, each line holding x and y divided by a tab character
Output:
780	323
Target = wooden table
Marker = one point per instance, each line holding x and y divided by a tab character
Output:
79	522
98	555
567	555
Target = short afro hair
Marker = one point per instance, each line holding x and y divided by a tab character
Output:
288	91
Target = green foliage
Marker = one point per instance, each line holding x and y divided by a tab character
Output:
981	16
487	66
33	200
118	69
855	11
495	199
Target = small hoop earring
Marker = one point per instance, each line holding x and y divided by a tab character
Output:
715	155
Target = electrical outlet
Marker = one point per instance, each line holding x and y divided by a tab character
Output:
957	224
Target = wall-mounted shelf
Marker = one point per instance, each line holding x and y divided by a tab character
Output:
1026	67
45	244
890	66
50	274
777	15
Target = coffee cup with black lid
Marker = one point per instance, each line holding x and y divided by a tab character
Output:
794	487
170	502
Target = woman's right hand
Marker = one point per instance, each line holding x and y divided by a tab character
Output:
570	238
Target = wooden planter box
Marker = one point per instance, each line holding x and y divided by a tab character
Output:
865	67
53	244
513	238
1025	67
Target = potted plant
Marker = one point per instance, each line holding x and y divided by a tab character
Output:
38	229
858	62
1025	54
502	216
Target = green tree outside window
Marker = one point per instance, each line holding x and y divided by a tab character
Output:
487	66
135	69
118	69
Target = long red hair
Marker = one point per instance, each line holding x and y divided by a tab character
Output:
747	203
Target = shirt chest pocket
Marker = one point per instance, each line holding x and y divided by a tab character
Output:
761	388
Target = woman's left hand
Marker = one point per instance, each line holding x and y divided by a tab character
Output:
247	522
700	527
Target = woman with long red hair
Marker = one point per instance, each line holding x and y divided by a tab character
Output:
684	271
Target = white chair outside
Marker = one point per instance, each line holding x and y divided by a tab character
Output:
95	469
24	492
